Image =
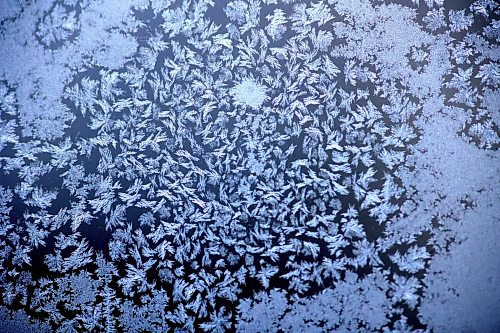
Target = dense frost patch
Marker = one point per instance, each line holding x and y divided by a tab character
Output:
249	93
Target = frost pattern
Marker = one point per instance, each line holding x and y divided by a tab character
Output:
250	166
